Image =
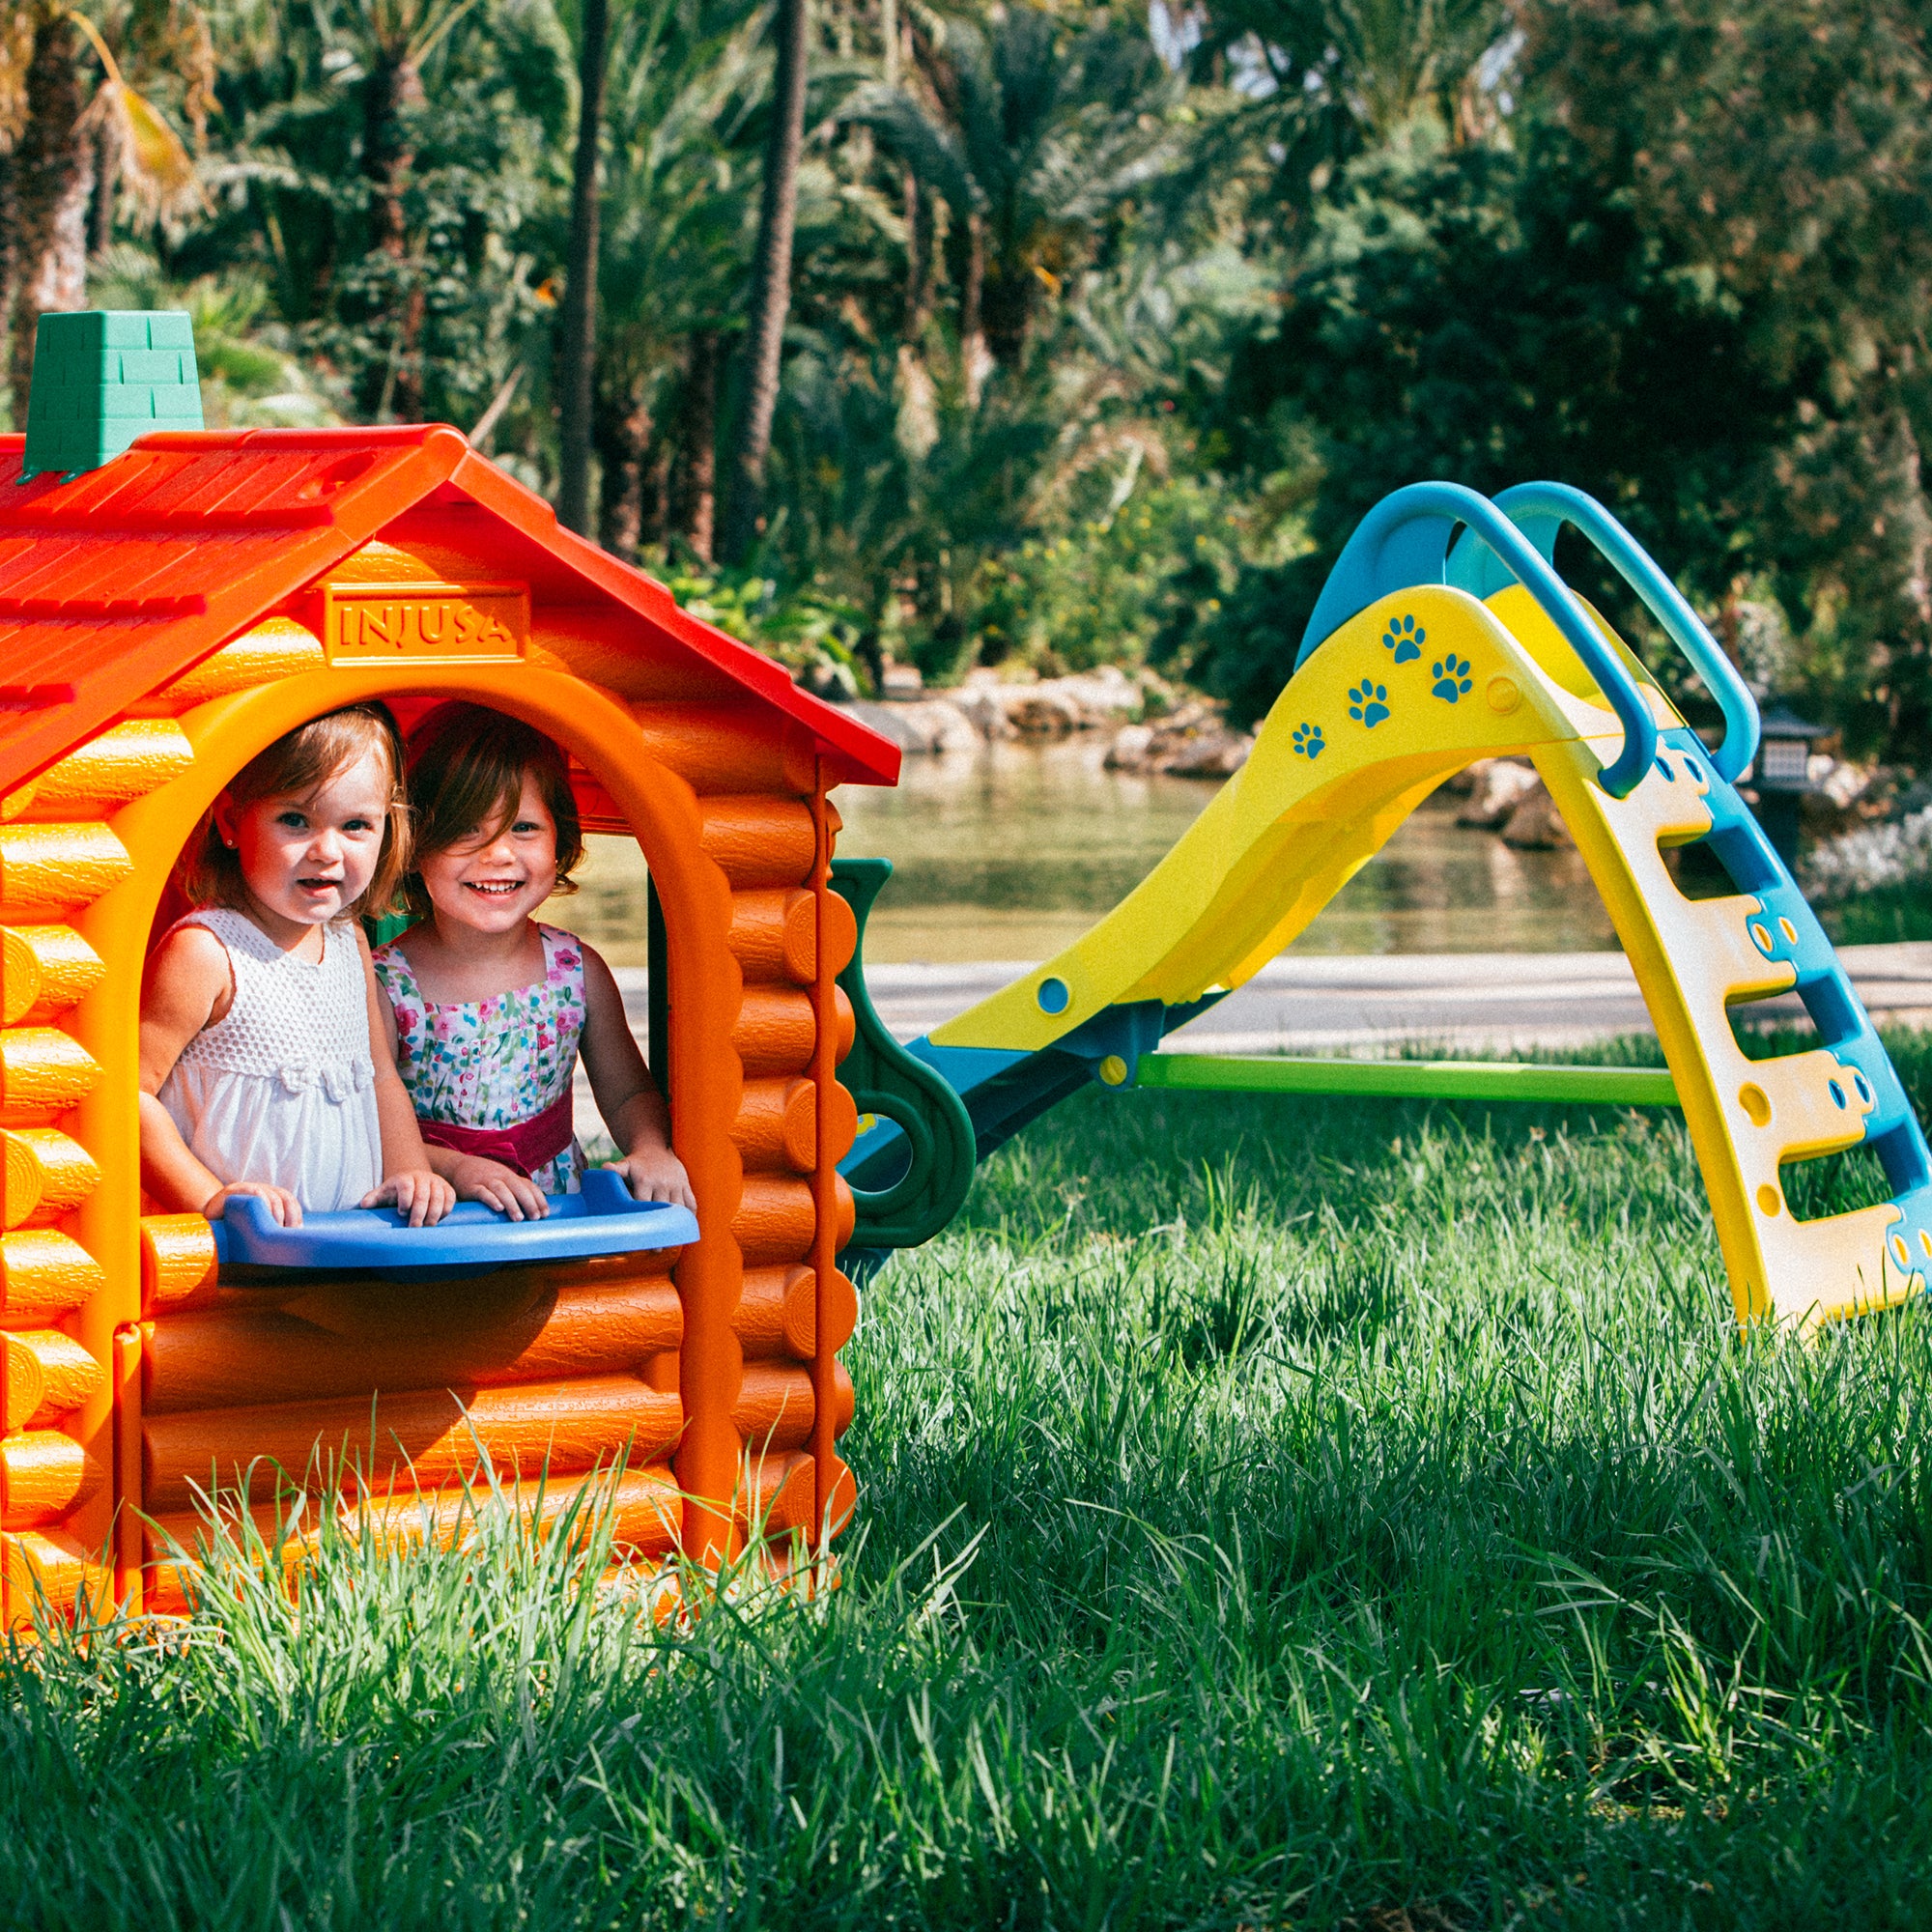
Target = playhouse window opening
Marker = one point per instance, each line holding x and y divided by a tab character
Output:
616	909
1702	869
1835	1183
608	883
611	907
1773	1028
610	902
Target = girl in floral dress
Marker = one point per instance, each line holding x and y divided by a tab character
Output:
487	1009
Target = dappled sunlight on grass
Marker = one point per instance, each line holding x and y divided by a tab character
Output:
1273	1513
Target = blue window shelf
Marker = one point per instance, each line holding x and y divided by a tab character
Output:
471	1239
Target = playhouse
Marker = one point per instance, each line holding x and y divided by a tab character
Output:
171	602
166	610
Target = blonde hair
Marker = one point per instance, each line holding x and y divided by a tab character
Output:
467	770
209	871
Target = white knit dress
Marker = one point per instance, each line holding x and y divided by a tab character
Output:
282	1088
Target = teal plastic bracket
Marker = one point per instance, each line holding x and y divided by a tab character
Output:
933	1144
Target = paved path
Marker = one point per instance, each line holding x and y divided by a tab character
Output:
1314	1002
1311	1002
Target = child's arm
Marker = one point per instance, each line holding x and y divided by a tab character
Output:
627	1097
473	1177
409	1180
189	986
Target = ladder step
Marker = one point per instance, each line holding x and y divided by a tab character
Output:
1843	1093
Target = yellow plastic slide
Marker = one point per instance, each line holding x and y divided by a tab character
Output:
1410	690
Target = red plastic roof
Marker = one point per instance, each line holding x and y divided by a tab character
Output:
116	581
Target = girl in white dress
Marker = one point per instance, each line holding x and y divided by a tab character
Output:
265	1068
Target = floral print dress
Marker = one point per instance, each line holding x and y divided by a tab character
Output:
494	1063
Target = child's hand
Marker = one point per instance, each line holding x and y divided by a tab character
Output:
509	1192
424	1197
656	1173
281	1203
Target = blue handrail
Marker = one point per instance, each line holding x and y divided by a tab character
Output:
1405	541
1542	509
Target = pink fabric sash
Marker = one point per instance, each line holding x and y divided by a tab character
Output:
522	1147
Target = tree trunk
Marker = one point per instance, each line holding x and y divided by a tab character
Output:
1007	306
700	433
407	394
920	235
580	297
53	183
10	242
654	527
623	431
771	282
972	295
388	157
916	254
106	184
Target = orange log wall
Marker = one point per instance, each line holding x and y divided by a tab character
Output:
58	857
127	1375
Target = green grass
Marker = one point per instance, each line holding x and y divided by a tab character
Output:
1275	1513
1881	916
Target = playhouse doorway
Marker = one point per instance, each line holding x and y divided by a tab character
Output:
338	1386
617	908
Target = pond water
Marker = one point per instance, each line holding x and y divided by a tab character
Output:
1012	852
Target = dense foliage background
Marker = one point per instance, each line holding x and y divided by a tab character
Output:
1103	326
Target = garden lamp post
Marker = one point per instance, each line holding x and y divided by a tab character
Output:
1783	776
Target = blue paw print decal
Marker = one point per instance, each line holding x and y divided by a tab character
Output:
1368	703
1452	678
1308	741
1405	640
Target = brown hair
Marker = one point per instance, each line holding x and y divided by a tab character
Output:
209	871
467	770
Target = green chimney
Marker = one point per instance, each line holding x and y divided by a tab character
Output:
102	376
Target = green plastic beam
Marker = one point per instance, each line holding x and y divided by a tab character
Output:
1410	1079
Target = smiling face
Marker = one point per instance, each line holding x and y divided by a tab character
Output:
494	880
307	858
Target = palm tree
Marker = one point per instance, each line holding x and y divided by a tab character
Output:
578	355
1031	132
697	456
1311	82
675	245
392	165
393	39
771	279
51	177
70	143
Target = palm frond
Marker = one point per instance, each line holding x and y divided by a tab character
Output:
932	150
156	173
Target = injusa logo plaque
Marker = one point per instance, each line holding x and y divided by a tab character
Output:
450	623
